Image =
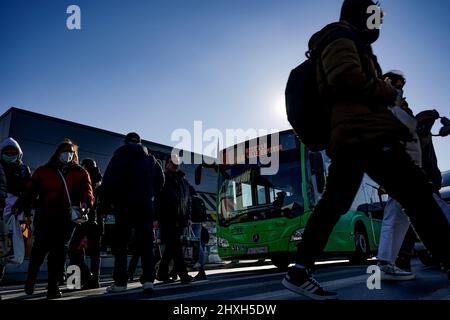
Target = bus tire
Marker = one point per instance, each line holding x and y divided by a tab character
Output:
362	250
281	262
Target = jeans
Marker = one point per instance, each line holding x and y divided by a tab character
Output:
393	231
391	167
197	228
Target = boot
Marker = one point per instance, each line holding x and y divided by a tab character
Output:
201	275
92	283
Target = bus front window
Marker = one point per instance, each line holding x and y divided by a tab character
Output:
246	195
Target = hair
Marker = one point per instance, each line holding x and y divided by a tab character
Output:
54	159
395	75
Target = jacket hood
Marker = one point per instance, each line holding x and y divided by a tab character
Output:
134	150
320	36
355	12
10	142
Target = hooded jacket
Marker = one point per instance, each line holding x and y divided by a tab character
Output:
130	182
348	77
17	174
3	194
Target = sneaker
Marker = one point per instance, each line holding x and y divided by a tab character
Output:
404	263
54	294
165	280
201	275
186	279
392	272
301	282
116	289
148	287
29	288
92	283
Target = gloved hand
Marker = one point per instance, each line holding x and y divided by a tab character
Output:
445	130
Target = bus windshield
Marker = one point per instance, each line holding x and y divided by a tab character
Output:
246	195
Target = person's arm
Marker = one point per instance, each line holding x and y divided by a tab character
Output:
25	201
111	181
344	73
159	176
86	189
3	188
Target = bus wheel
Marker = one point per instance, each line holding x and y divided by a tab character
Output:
281	262
362	251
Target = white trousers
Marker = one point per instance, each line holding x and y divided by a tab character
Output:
394	227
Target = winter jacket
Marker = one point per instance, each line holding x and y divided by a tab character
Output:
174	201
348	77
198	211
130	182
47	194
17	174
2	187
413	148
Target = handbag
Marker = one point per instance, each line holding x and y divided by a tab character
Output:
191	246
75	212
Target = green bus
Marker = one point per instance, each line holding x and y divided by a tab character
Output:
264	216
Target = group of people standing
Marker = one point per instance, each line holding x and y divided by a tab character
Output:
134	188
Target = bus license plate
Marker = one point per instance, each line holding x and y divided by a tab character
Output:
257	250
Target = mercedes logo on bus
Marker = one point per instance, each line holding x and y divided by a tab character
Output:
256	237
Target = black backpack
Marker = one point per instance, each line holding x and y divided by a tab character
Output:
307	111
199	213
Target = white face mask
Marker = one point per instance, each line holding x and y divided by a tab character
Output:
66	157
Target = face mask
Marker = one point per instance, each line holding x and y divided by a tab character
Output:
66	157
10	159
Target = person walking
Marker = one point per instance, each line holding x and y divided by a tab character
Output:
14	175
130	182
198	217
395	224
48	192
87	236
174	213
365	138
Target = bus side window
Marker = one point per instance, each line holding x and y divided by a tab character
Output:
318	170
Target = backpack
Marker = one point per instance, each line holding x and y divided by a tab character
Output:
307	111
198	209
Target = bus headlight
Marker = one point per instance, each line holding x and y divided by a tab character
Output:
297	235
221	242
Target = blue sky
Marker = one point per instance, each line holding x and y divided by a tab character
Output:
155	66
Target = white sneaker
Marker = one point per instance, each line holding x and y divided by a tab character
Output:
148	287
116	289
392	272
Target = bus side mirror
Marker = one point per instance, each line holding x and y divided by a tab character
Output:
198	174
318	169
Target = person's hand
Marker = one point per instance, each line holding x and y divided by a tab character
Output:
84	208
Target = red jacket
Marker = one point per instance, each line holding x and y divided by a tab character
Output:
47	194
